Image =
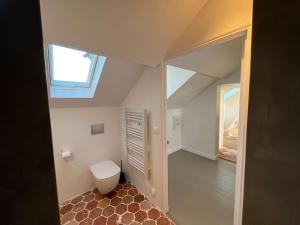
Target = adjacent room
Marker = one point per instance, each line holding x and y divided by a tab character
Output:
202	133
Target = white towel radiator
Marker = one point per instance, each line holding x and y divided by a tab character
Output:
137	140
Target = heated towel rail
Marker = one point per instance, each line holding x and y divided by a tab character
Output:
137	140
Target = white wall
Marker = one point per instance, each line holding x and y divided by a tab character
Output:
199	128
173	133
146	94
71	128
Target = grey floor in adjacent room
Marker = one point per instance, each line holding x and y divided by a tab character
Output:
201	191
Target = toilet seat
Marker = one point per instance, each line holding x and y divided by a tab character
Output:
105	169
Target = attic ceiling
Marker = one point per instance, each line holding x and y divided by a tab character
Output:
133	30
189	90
117	78
211	64
216	61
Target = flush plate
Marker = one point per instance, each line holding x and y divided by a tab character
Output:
97	129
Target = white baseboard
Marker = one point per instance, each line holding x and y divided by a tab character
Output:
172	150
198	152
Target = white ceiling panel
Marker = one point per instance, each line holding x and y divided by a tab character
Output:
189	90
135	30
117	78
218	60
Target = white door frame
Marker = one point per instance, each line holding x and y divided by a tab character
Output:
245	32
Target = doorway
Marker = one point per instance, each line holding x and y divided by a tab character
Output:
228	121
236	206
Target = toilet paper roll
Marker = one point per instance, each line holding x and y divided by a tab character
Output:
66	154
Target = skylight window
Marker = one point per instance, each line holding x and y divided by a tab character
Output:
73	73
228	94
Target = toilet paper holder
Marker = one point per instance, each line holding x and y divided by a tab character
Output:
66	154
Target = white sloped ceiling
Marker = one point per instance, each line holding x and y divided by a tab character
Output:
211	64
189	90
117	78
135	30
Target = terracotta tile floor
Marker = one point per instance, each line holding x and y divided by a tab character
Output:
124	205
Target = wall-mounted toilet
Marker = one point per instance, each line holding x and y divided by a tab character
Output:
106	176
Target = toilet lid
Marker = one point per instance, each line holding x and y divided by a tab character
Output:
105	169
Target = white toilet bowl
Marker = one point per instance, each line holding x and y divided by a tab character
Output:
106	176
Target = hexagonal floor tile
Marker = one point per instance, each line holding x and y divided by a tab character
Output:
125	205
128	199
133	207
113	220
87	221
120	209
139	198
81	215
116	201
95	213
79	206
104	203
127	218
100	221
89	198
140	216
108	211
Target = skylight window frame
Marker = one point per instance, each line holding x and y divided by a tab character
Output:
71	84
74	90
